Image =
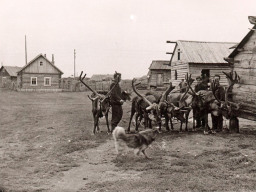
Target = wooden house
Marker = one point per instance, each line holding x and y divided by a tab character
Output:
199	59
243	61
8	76
159	73
40	74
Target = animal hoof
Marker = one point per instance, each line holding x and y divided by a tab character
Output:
206	133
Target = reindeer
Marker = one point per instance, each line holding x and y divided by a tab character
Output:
205	101
101	104
147	107
228	108
179	106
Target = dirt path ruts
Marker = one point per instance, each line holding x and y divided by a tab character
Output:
98	166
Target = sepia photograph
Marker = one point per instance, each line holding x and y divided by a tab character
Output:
127	95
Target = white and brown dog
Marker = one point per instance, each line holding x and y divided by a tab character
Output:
139	141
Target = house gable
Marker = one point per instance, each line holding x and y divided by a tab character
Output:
242	43
40	65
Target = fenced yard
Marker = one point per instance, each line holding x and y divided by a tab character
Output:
46	145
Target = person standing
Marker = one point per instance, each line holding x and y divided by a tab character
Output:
183	86
116	101
217	121
197	113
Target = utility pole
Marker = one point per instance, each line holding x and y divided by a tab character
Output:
26	60
74	63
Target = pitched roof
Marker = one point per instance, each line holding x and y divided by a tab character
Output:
12	70
204	52
101	77
40	55
160	64
242	43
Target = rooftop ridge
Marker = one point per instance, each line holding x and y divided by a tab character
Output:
207	41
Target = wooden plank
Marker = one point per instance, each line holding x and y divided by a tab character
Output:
247	115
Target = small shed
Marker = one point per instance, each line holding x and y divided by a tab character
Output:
8	76
199	58
40	74
243	61
101	82
159	73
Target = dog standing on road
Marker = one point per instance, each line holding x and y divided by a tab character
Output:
139	141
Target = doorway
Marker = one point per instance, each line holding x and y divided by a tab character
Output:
159	81
205	73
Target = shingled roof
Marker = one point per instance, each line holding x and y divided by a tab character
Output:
204	52
11	70
160	64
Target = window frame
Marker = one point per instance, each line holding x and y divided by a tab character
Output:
50	81
31	80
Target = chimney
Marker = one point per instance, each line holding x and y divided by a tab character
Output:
45	55
53	59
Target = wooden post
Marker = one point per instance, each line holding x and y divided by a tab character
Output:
26	60
74	63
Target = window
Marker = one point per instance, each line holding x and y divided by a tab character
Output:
175	74
178	54
33	81
47	81
41	63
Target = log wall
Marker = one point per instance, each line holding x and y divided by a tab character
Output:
245	92
166	77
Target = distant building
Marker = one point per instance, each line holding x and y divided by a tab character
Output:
199	59
102	77
159	73
39	74
8	76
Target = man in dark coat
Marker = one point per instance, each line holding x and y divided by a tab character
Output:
198	87
183	86
116	101
217	121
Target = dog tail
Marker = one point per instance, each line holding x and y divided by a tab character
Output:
119	133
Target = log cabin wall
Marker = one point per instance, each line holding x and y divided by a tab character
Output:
54	81
215	69
245	66
178	72
156	74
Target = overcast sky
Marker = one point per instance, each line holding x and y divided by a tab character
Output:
114	35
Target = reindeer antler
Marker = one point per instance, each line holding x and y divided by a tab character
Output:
82	81
214	88
233	78
167	91
143	97
189	81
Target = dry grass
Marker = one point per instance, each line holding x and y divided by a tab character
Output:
45	135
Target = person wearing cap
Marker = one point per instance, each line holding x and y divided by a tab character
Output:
217	121
116	101
200	84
